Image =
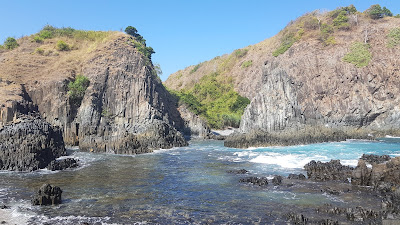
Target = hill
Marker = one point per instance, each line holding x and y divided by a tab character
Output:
334	70
99	87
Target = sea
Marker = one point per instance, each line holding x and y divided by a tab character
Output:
186	185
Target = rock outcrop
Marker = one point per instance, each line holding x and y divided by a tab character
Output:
260	181
62	164
193	124
29	144
125	109
380	175
328	171
47	195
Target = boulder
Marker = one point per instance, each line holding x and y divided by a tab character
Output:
29	143
328	171
296	176
241	171
277	180
62	164
370	158
260	181
47	195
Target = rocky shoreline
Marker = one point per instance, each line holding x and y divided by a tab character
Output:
373	191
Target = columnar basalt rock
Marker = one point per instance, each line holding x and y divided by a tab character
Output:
29	144
47	195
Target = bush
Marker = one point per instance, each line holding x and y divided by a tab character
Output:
341	20
215	101
38	39
393	37
375	12
131	31
76	90
46	34
359	54
195	68
239	53
247	64
146	51
325	35
10	43
39	51
62	46
386	12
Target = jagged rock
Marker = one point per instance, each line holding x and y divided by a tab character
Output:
29	144
241	171
47	195
260	181
370	158
361	175
297	176
296	218
332	170
194	125
4	207
277	180
360	214
62	164
332	191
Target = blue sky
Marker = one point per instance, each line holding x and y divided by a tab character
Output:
182	33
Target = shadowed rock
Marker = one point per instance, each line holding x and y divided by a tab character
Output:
241	171
62	164
260	181
47	195
296	176
370	158
332	170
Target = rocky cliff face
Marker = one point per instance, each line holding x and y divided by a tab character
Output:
125	108
310	85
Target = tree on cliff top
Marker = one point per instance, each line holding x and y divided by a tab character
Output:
139	42
376	12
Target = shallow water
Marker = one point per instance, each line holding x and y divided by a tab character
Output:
186	185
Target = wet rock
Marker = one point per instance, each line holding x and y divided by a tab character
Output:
277	180
296	176
241	171
332	191
297	218
361	174
370	158
260	181
29	143
332	170
62	164
47	195
359	214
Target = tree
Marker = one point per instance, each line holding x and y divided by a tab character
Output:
157	68
131	31
10	43
386	12
341	21
374	12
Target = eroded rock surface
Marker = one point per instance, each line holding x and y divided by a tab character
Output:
47	195
29	144
328	171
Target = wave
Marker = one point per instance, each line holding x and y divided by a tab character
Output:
290	161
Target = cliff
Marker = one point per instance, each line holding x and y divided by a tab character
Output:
302	78
125	109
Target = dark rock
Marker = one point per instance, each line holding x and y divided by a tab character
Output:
62	164
29	143
332	191
277	180
332	170
297	218
260	181
241	171
296	176
361	175
4	207
359	214
370	158
47	195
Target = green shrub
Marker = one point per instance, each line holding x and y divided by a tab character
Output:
386	12
393	37
39	51
76	90
38	39
45	34
146	51
10	43
62	46
195	68
215	101
374	12
131	31
286	43
397	16
247	64
341	20
326	34
51	32
359	54
239	53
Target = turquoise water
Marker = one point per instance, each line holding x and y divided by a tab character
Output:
186	185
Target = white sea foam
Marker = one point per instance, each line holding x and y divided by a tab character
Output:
353	162
291	161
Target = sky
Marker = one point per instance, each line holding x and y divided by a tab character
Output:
182	32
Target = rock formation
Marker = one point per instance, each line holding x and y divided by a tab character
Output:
47	195
29	144
125	109
328	171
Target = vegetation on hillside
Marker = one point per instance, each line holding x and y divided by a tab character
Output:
49	32
376	12
139	42
76	90
10	43
214	100
359	54
393	37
